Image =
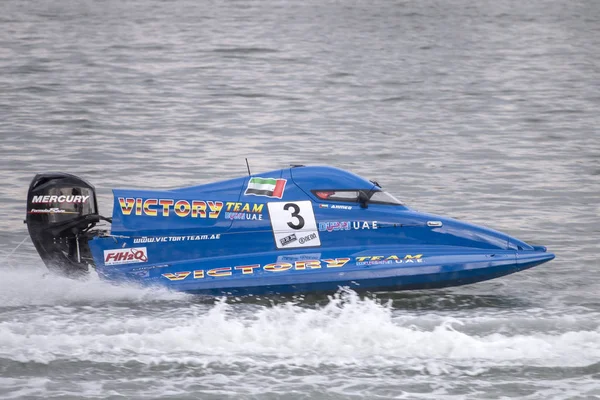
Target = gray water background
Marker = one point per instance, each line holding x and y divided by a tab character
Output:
486	111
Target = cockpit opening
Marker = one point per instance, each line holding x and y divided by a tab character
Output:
354	196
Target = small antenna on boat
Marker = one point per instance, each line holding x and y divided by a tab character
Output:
248	165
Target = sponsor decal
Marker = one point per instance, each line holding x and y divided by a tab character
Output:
144	271
59	199
125	256
288	239
164	239
341	207
253	208
279	266
140	273
247	269
51	211
149	267
323	205
216	272
334	226
331	226
245	211
299	257
245	216
269	187
167	207
393	259
307	238
177	276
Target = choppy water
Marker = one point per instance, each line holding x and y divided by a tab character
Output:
487	111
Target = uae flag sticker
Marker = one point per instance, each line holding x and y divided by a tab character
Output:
268	187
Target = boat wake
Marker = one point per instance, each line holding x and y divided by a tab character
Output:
26	285
71	331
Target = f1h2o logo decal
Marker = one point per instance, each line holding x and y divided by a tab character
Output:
294	224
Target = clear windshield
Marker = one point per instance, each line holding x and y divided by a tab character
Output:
384	198
379	197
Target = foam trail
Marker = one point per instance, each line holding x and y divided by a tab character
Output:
23	285
346	331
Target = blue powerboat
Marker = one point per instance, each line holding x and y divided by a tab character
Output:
302	229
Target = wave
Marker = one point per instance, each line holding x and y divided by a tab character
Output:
348	330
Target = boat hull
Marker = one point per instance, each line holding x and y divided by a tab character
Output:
377	268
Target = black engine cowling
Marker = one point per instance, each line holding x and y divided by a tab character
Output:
61	209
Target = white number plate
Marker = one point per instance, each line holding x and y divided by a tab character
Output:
294	224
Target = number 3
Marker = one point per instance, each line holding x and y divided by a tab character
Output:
295	214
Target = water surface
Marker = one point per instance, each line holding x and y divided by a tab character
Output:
485	111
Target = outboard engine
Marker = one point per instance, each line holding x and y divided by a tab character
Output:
61	209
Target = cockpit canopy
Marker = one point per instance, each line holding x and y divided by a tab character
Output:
334	184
